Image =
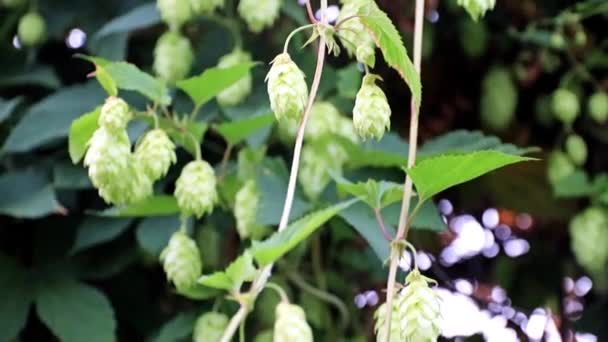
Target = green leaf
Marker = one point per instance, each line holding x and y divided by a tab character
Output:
43	76
27	194
17	295
153	233
140	17
161	205
177	329
388	39
68	176
576	184
212	81
463	141
7	107
375	194
238	272
436	174
391	151
186	135
97	230
349	81
81	131
75	312
238	130
277	245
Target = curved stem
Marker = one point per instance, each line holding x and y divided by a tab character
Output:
408	186
311	15
278	289
301	28
380	221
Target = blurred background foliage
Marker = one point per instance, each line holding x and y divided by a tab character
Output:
97	278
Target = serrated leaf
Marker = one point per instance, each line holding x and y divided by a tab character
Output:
349	81
388	152
139	17
75	312
17	295
153	234
96	230
212	81
177	329
238	272
7	107
436	174
278	244
27	194
81	131
161	205
463	141
375	194
388	39
238	130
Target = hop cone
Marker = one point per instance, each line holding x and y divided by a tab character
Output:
173	57
182	261
419	310
195	189
324	119
209	327
155	154
477	8
371	114
114	114
174	12
559	166
264	336
315	165
237	92
577	149
598	107
259	14
380	317
31	29
565	105
245	209
354	36
287	88
291	325
589	235
141	185
498	100
206	6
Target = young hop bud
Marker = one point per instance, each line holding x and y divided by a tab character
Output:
588	230
498	100
114	114
371	114
209	327
195	189
291	325
206	6
287	88
155	154
237	92
598	107
354	36
174	12
419	309
246	209
381	316
565	105
477	8
173	57
576	149
31	29
182	261
259	14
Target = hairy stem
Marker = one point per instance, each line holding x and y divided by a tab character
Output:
260	281
402	229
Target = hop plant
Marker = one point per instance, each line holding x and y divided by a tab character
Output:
206	6
174	12
565	105
287	88
324	119
473	38
559	166
354	36
245	209
291	325
259	14
588	231
31	29
155	154
380	317
209	327
371	114
181	261
597	107
237	92
173	56
419	310
315	166
477	8
576	149
498	99
264	336
195	189
114	114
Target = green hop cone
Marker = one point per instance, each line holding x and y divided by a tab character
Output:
31	29
315	166
589	231
597	107
559	166
498	100
155	154
209	327
371	114
114	114
264	336
419	309
206	6
141	184
245	209
324	119
473	38
174	12
196	189
354	36
565	105
259	14
576	149
380	317
182	261
173	57
237	92
287	88
291	325
477	8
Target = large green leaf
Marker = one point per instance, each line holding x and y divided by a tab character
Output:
17	295
391	151
51	118
27	194
179	328
43	76
153	233
238	272
75	312
212	81
277	245
463	141
238	130
7	107
96	230
67	176
436	174
81	131
389	41
161	205
137	18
